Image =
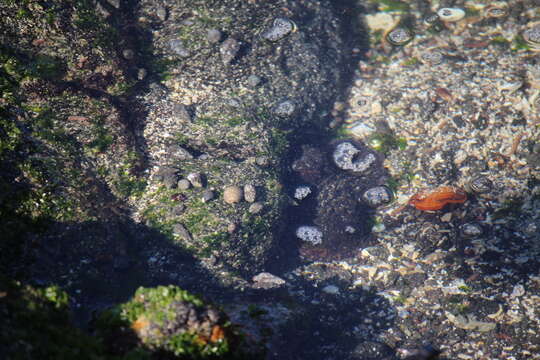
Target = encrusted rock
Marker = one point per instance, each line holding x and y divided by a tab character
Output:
232	194
250	193
195	179
255	208
280	28
311	234
179	153
348	157
229	50
285	108
377	196
301	192
214	36
266	280
184	184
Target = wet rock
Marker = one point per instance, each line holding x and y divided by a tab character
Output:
214	36
280	28
250	193
377	196
182	232
196	179
255	208
471	230
179	153
229	50
161	13
285	108
178	47
301	192
348	156
310	167
266	280
311	234
170	180
184	184
232	194
128	54
207	196
254	80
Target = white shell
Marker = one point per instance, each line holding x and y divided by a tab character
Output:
451	14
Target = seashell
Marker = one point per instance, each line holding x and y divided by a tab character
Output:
399	36
431	200
532	37
480	185
496	9
451	14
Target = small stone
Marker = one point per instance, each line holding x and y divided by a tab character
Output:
254	80
399	36
331	289
231	228
207	196
280	28
229	50
128	54
349	229
302	192
262	160
141	74
255	208
178	47
184	184
480	185
182	112
266	280
250	193
310	234
170	180
471	230
446	217
285	108
179	153
115	3
161	13
195	179
232	194
213	36
377	196
180	230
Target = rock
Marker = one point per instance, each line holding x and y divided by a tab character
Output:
377	196
214	36
311	234
170	180
181	231
161	13
347	156
232	194
115	3
184	184
128	54
229	50
141	74
262	161
255	208
179	153
266	280
195	179
253	80
285	108
471	230
280	28
181	111
331	289
178	47
250	193
301	192
207	196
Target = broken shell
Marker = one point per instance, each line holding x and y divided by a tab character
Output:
532	37
497	9
399	36
451	14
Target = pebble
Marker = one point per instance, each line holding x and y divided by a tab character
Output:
451	14
207	196
280	28
377	196
262	160
170	180
254	80
255	208
471	230
128	54
331	289
229	50
285	108
232	194
180	230
182	112
214	36
178	47
266	280
161	13
250	193
195	179
141	74
302	192
184	184
480	185
179	153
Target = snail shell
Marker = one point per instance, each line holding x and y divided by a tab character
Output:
451	14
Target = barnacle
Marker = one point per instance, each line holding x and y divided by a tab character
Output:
436	199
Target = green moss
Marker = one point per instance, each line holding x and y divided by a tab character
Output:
384	142
518	43
392	5
411	61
